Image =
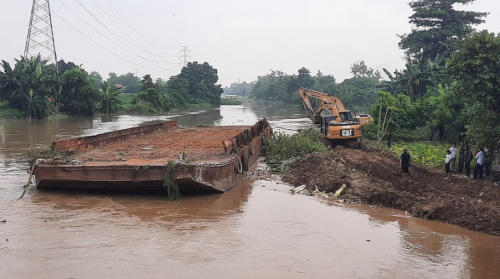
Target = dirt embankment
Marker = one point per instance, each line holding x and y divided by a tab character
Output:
375	177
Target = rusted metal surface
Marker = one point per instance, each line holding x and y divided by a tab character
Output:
86	143
208	158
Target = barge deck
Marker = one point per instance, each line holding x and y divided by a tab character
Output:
210	158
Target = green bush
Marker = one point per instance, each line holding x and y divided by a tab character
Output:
142	107
6	112
229	102
419	134
126	99
370	132
281	149
423	153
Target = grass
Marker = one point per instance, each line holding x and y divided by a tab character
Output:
229	102
282	149
6	112
126	99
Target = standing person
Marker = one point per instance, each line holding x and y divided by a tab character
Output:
405	161
487	161
478	169
447	160
453	151
467	159
461	158
389	139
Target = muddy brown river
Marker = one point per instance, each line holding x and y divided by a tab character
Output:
257	230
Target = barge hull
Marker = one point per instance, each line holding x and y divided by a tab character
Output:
212	159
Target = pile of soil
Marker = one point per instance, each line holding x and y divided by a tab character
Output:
375	177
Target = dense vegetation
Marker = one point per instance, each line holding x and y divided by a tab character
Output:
281	149
35	89
357	93
450	83
422	153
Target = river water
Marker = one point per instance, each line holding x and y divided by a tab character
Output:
257	230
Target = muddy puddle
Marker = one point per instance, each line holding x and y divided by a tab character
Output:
257	230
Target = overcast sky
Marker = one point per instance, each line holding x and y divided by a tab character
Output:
242	39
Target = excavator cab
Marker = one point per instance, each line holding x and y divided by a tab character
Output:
347	117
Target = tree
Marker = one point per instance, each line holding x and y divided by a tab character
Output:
437	111
476	73
28	86
151	93
62	66
360	70
130	81
417	75
96	79
392	113
79	96
177	93
273	86
240	89
109	98
202	82
304	78
437	26
358	93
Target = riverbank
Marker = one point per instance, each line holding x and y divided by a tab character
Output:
374	177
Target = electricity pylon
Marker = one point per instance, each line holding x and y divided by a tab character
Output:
186	56
40	33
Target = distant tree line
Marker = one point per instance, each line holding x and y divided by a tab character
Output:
357	93
241	89
36	89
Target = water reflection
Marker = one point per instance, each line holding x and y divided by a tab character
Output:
149	208
255	230
203	117
470	254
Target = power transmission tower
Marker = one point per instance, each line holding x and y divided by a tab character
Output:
40	33
186	56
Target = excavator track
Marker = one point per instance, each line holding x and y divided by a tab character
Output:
352	143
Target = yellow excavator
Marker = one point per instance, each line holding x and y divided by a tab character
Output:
338	126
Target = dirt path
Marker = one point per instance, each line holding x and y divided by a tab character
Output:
375	177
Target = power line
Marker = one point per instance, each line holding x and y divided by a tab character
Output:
105	47
114	34
167	55
107	37
138	45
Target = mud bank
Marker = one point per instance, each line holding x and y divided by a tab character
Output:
374	177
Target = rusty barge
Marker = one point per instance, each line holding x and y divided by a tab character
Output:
206	158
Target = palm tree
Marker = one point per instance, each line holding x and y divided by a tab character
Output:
28	86
109	98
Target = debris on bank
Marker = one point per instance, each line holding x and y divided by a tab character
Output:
372	177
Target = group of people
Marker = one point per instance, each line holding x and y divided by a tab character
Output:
465	158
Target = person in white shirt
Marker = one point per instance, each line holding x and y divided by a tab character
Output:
478	169
453	151
447	161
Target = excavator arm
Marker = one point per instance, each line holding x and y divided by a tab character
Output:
327	102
